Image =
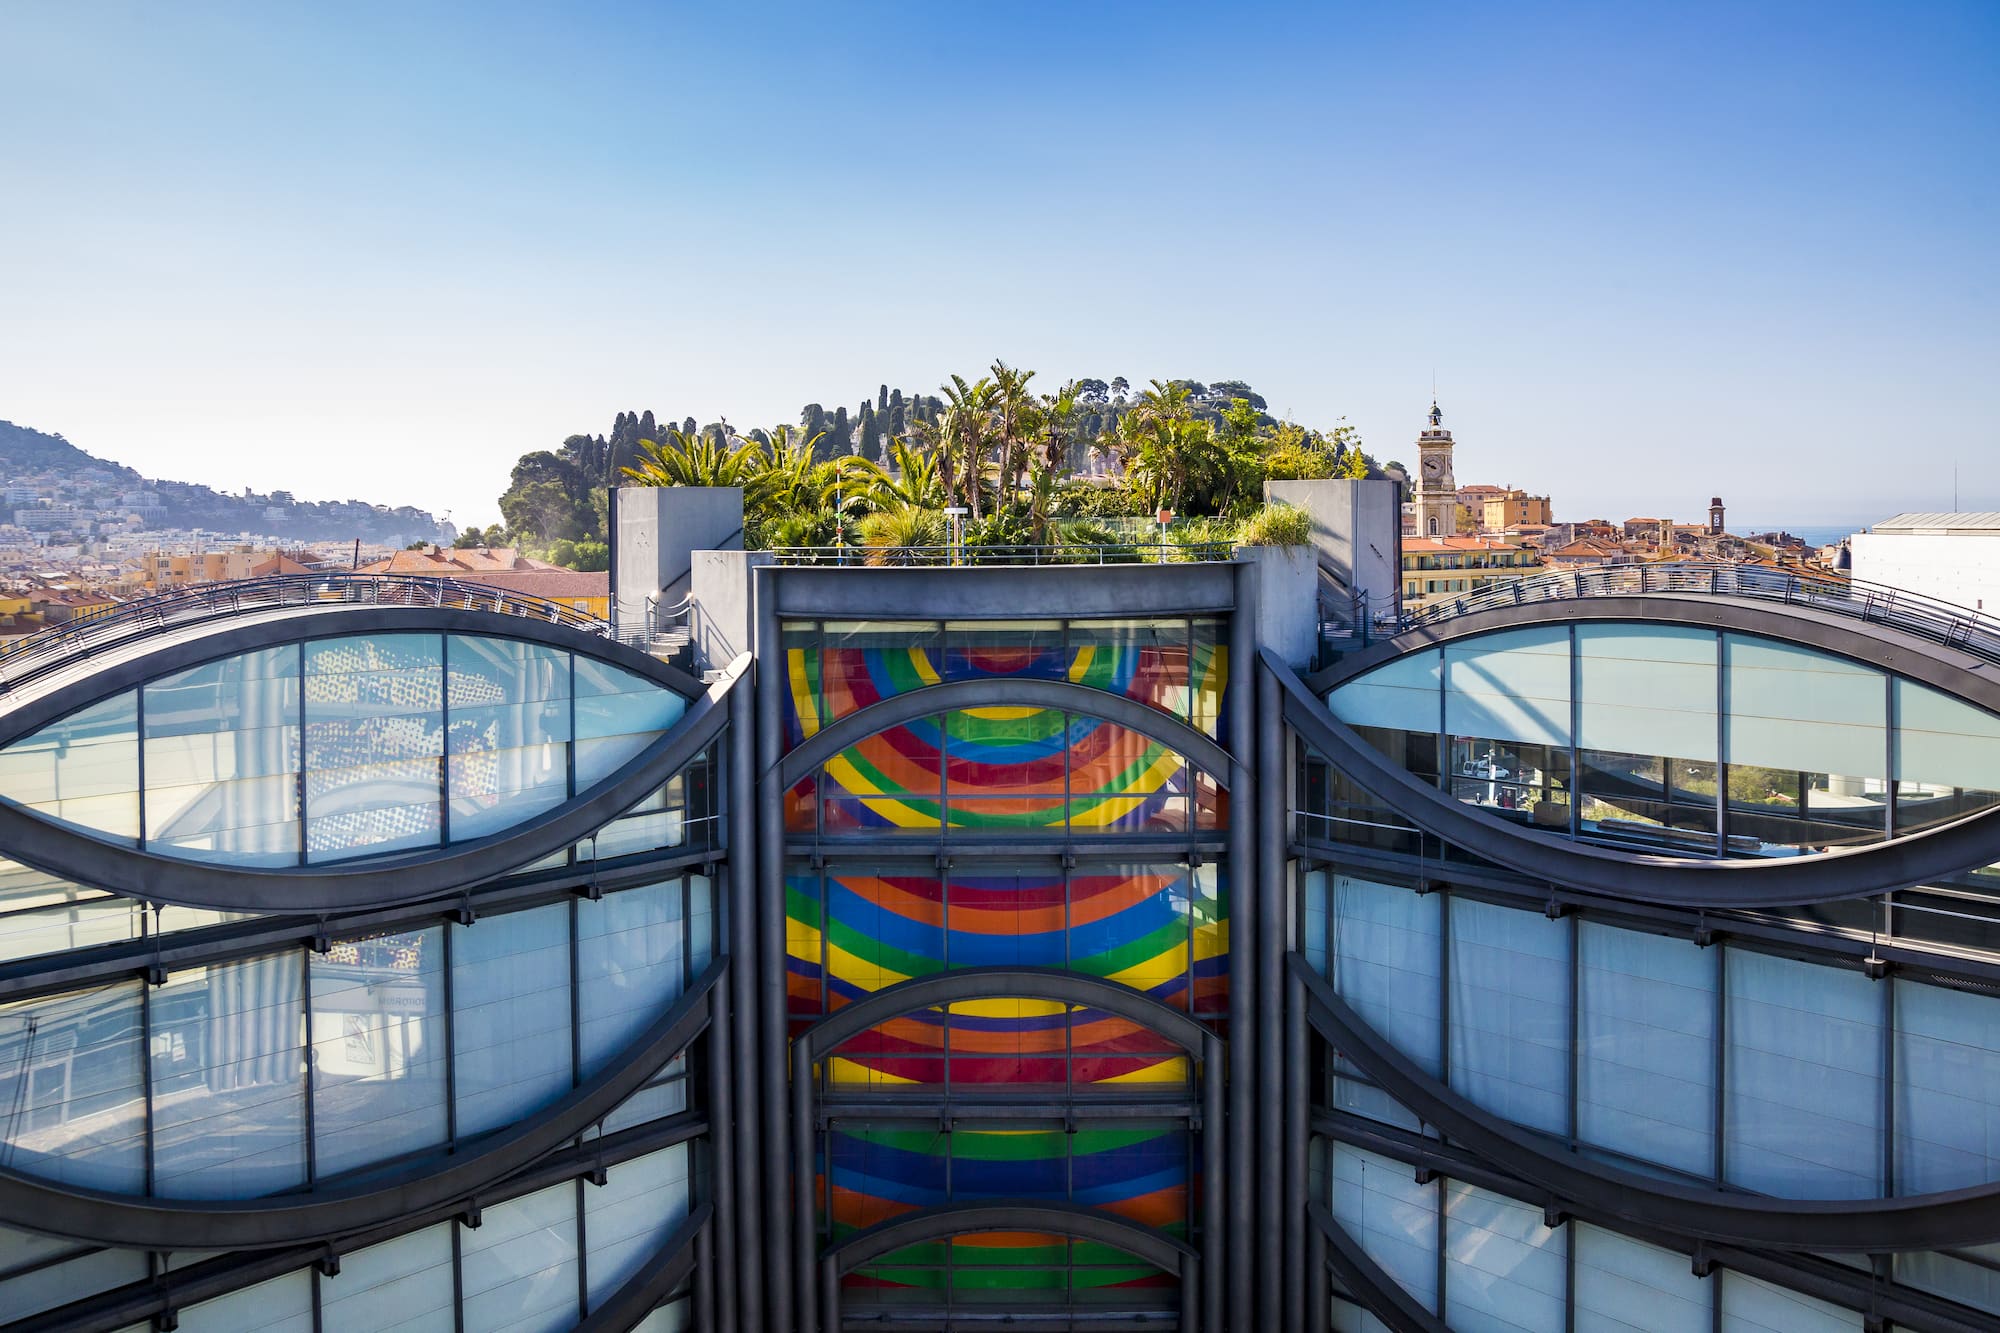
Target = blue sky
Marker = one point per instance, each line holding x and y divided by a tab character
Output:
1649	252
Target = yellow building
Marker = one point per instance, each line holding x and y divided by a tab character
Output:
1511	509
1439	569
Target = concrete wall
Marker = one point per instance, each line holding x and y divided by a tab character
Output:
659	529
1356	528
1960	567
1287	582
722	621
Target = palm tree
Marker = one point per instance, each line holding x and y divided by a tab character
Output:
913	482
695	460
967	419
1013	410
1056	420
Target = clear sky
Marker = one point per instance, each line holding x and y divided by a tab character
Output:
1650	252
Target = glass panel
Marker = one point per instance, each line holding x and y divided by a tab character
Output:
1005	766
1627	1286
1944	759
509	732
1394	1219
1022	649
1804	1080
1751	1305
1510	1018
1648	689
374	744
1947	1067
82	769
1504	1270
403	1284
805	979
1647	1026
1128	923
378	1034
73	1089
1652	801
222	760
281	1305
1528	784
1388	955
631	964
1807	745
800	642
1970	1276
618	714
229	1080
865	662
1208	675
628	1219
518	1265
891	780
883	929
1144	660
42	913
1315	891
1403	695
1122	781
510	1018
37	1277
1513	685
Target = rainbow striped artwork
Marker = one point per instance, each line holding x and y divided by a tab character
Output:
1009	769
1161	929
1177	666
873	1171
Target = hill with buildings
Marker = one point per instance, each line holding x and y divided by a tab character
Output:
53	487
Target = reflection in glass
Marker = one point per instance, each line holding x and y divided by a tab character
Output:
378	1048
510	1018
222	760
82	769
72	1089
374	744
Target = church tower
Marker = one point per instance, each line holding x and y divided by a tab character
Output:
1437	490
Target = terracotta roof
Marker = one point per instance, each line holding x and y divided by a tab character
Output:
450	562
547	581
1433	545
278	564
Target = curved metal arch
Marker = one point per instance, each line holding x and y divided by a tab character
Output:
1368	1282
978	983
1942	1220
960	1219
1867	643
371	881
106	1218
1001	691
656	1279
1855	872
178	648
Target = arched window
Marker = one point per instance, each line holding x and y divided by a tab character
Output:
1434	525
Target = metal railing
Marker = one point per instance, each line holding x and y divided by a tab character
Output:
1057	553
1927	618
35	656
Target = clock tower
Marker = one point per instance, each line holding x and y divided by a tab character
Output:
1437	491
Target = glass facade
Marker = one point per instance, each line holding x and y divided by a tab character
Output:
1041	1087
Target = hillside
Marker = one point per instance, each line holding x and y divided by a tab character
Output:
62	474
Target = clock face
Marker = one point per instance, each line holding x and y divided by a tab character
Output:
1433	465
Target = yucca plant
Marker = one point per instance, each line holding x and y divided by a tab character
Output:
890	534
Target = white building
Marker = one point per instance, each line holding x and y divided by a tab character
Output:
1953	557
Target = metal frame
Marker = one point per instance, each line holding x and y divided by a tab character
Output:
366	881
672	1264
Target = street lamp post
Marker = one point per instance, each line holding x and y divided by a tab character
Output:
954	513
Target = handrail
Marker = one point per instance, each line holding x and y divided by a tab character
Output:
38	654
1925	617
1058	553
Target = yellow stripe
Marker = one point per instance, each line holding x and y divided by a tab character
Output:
802	695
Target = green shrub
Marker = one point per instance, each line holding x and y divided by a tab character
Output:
890	533
1275	525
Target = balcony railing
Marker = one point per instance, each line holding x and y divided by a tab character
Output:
39	654
1058	553
1927	618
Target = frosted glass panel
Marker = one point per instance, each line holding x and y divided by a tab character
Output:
40	1279
229	1080
1510	1012
222	759
1793	708
618	714
1947	1088
1402	695
282	1305
402	1285
1804	1083
73	1089
1504	1271
1750	1305
374	744
83	769
1388	949
1945	742
378	1034
1313	890
1954	1278
510	991
628	1218
1646	1067
1648	689
519	1264
509	731
1509	686
1627	1286
631	966
1378	1202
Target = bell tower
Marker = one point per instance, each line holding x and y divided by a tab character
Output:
1437	490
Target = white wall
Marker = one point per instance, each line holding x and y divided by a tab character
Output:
1954	567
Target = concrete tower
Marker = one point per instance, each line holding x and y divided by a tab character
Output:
1715	516
1437	489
